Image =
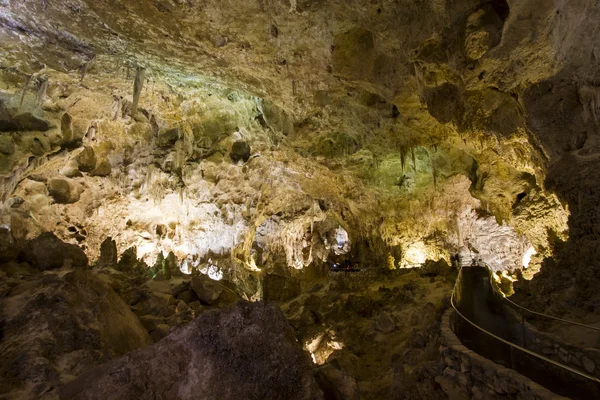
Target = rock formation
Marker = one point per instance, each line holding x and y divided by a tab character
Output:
239	150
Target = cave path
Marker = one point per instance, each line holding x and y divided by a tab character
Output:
487	327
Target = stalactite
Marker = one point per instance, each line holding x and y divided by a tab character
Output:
24	90
402	157
138	85
41	92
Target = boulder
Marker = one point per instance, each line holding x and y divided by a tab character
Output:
49	252
63	190
336	384
188	296
108	253
159	304
240	150
207	290
8	247
24	122
86	160
280	288
150	322
71	170
102	169
384	323
360	305
7	145
39	145
247	351
160	332
62	323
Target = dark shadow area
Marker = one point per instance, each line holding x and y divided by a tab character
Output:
477	301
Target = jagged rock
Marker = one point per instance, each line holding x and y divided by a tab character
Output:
159	304
207	290
360	305
63	190
280	288
168	138
8	247
71	170
128	260
49	252
182	306
63	322
7	145
336	384
384	323
39	145
160	332
24	122
240	150
150	322
108	253
86	160
221	355
102	169
435	268
188	296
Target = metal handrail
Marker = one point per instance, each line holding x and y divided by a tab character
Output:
549	316
513	345
535	312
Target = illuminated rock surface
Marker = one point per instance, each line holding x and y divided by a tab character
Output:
258	143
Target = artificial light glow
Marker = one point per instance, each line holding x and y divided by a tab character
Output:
416	254
527	256
212	271
322	346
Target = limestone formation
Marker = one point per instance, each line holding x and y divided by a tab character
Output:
337	158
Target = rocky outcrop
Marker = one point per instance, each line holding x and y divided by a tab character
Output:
49	252
247	351
280	288
207	290
64	191
57	324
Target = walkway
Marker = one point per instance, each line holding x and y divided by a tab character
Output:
490	329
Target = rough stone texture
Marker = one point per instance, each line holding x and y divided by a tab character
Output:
49	252
240	150
336	384
247	351
63	191
108	253
86	159
207	290
384	323
280	288
468	374
102	169
7	145
8	246
55	326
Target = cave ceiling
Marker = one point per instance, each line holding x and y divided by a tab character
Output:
399	113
